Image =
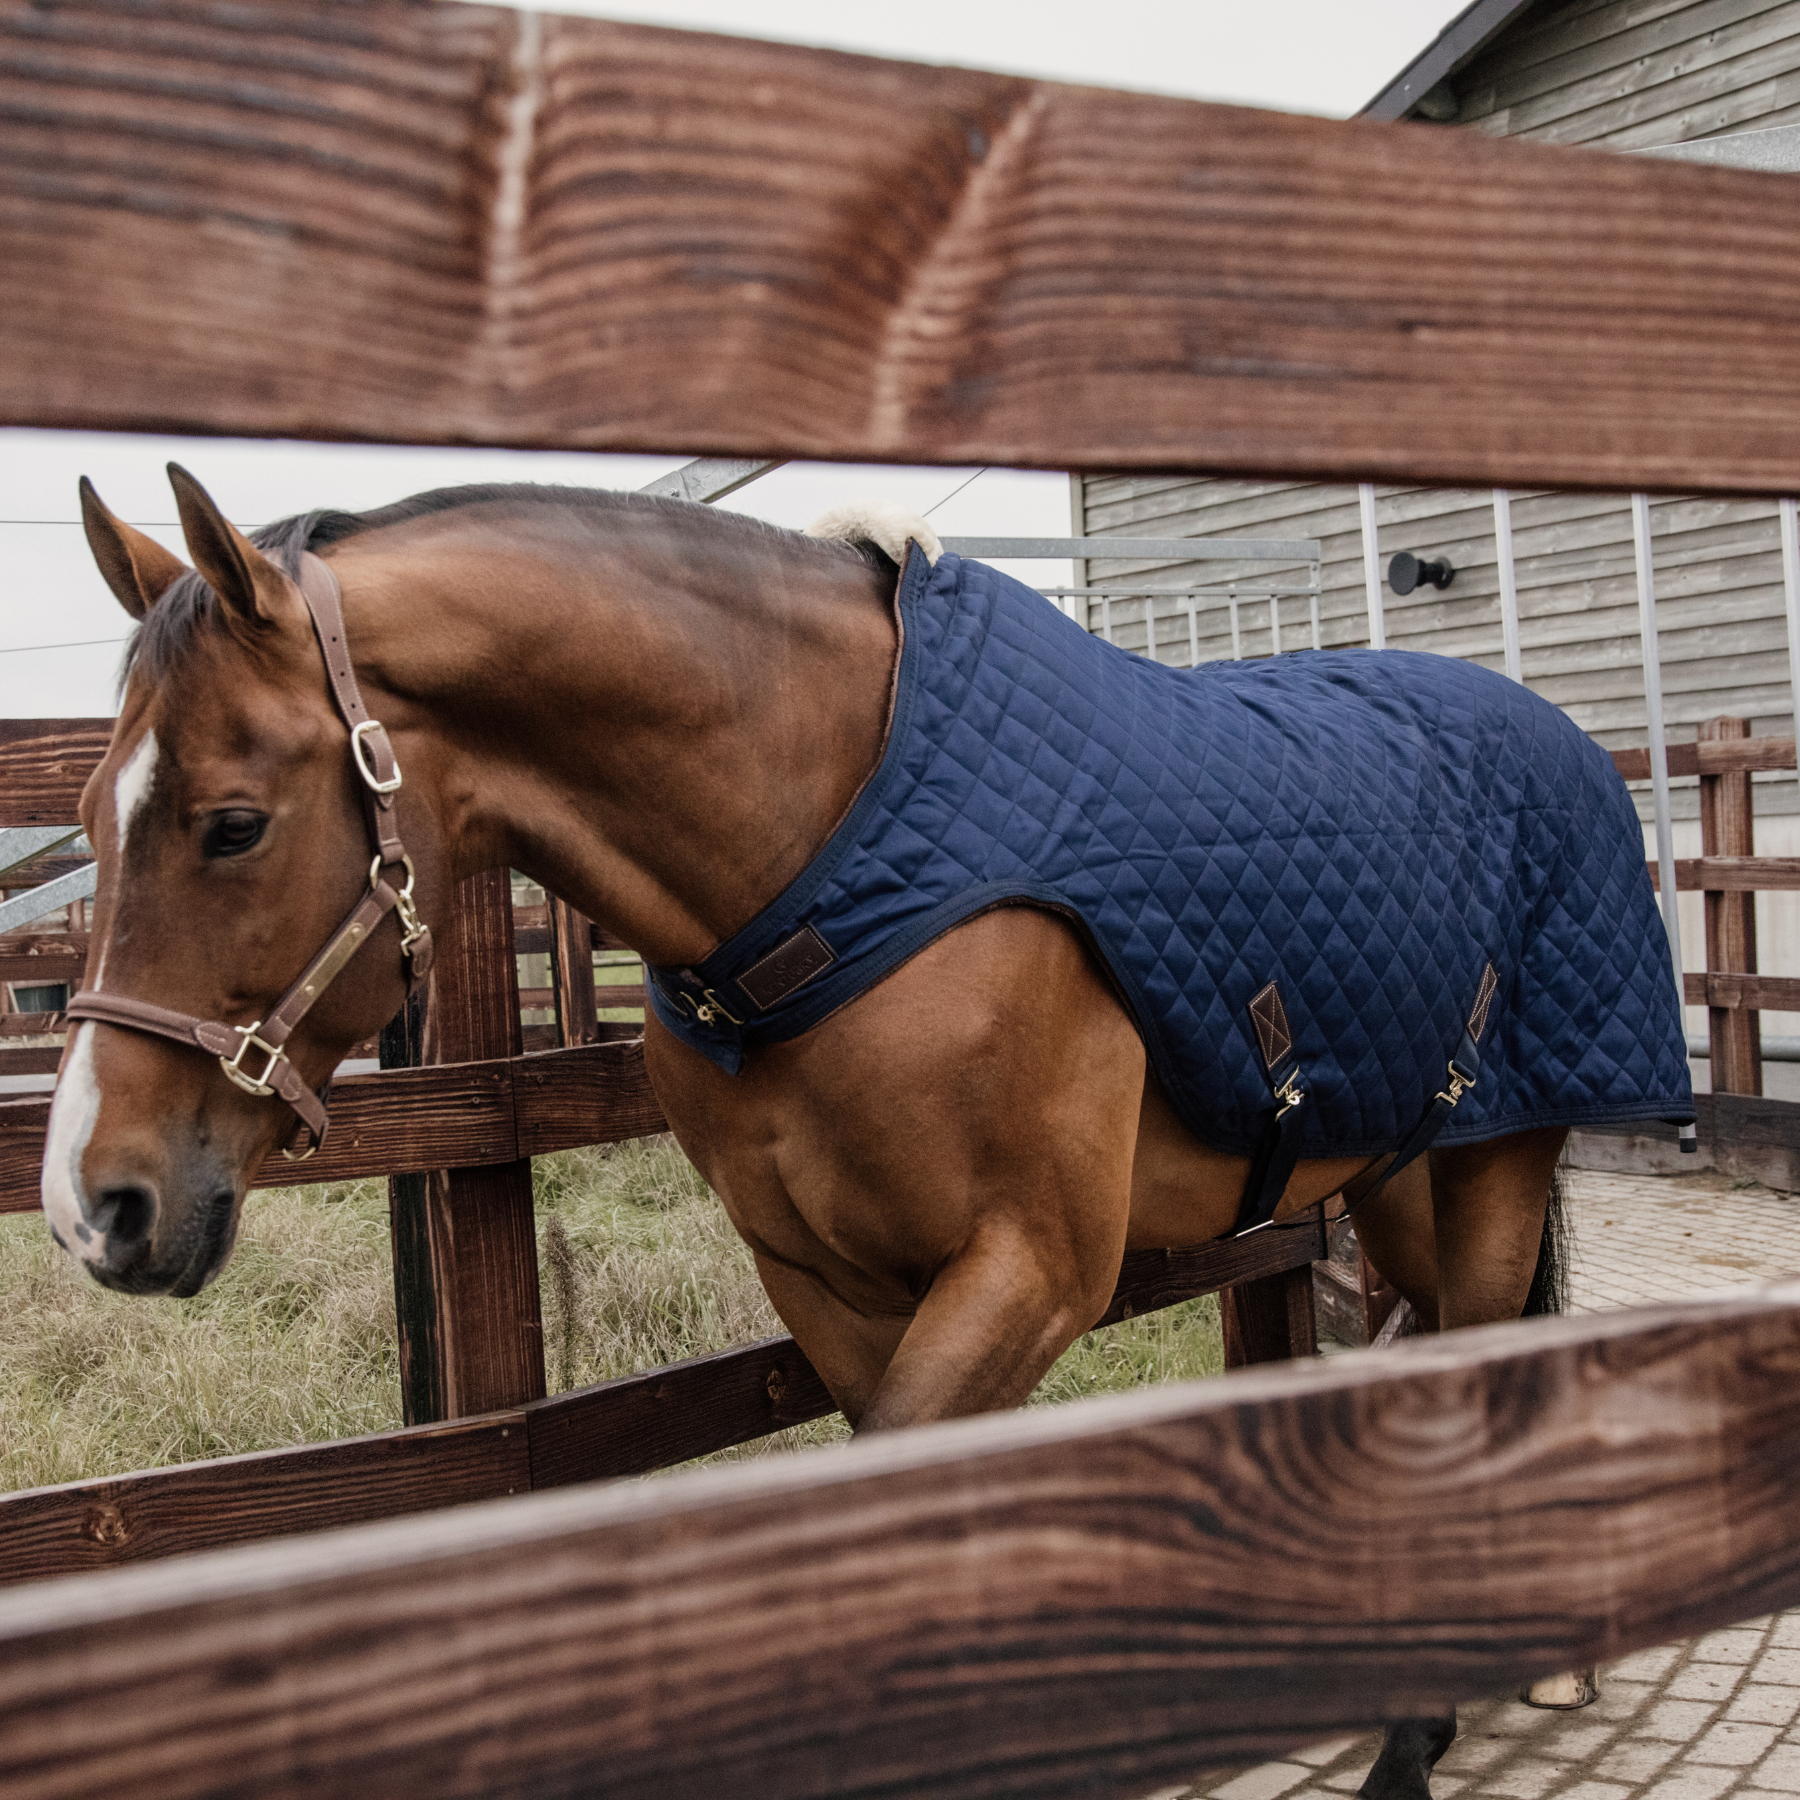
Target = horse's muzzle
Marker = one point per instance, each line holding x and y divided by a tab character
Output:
139	1245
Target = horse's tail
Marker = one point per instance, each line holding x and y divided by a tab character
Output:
1550	1280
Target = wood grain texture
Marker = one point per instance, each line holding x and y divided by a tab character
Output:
45	763
486	1339
1723	756
1728	829
1734	874
597	1094
1757	993
1269	1320
88	1525
760	249
572	971
1150	1279
1092	1600
670	1415
34	957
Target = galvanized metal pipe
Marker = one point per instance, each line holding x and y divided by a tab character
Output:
1659	748
1790	575
1371	548
1509	590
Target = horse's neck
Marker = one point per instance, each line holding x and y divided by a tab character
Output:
663	740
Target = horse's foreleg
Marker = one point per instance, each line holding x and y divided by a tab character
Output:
997	1316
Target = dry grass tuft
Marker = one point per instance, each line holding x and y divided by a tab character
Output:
295	1342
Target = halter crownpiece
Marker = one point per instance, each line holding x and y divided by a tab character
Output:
265	1040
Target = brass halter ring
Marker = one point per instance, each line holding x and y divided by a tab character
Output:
234	1065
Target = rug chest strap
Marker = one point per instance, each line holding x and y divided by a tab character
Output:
1273	1163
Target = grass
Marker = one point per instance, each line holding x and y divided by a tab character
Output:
295	1341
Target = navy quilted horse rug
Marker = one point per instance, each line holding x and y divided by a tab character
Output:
1319	878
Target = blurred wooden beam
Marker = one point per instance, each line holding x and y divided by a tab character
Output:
1094	1599
450	224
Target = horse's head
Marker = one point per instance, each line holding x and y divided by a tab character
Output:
228	823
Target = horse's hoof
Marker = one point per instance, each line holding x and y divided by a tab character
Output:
1409	1752
1564	1693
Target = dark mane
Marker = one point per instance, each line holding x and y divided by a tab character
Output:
189	606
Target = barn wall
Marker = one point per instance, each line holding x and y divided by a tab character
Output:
1629	74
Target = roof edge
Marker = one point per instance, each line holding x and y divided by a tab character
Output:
1472	28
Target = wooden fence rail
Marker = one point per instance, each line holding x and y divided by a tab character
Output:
692	243
1092	1599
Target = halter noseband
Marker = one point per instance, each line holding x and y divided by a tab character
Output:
373	758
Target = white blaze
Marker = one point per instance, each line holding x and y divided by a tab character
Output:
132	786
76	1108
72	1117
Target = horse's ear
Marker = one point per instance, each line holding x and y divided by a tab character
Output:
251	586
137	568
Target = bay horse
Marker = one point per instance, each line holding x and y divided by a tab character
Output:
661	713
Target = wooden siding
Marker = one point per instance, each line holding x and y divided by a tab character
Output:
1630	74
1623	74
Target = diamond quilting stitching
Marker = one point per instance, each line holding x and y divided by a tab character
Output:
1368	829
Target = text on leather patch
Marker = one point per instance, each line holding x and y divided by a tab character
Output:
790	965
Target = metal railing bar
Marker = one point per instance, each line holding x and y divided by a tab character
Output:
1509	587
1371	551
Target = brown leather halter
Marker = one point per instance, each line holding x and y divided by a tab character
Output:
373	758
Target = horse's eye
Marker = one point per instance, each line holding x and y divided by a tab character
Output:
232	833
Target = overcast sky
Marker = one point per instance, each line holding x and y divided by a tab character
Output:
1320	56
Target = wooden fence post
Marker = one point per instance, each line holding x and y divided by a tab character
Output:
572	974
465	1241
1270	1319
1727	828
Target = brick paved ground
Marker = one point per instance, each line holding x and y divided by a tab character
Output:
1697	1721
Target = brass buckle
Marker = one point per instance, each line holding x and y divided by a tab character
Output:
714	1010
370	779
233	1065
412	927
1290	1094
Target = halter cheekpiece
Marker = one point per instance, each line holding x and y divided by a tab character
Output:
265	1040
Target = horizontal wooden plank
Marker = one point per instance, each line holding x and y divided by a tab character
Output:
1092	1599
1745	1120
44	765
27	958
446	1115
590	1094
1753	993
1155	1278
1733	874
30	1059
41	869
1723	757
308	178
86	1525
671	1415
15	1025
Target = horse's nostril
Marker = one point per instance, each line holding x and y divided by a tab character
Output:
123	1216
